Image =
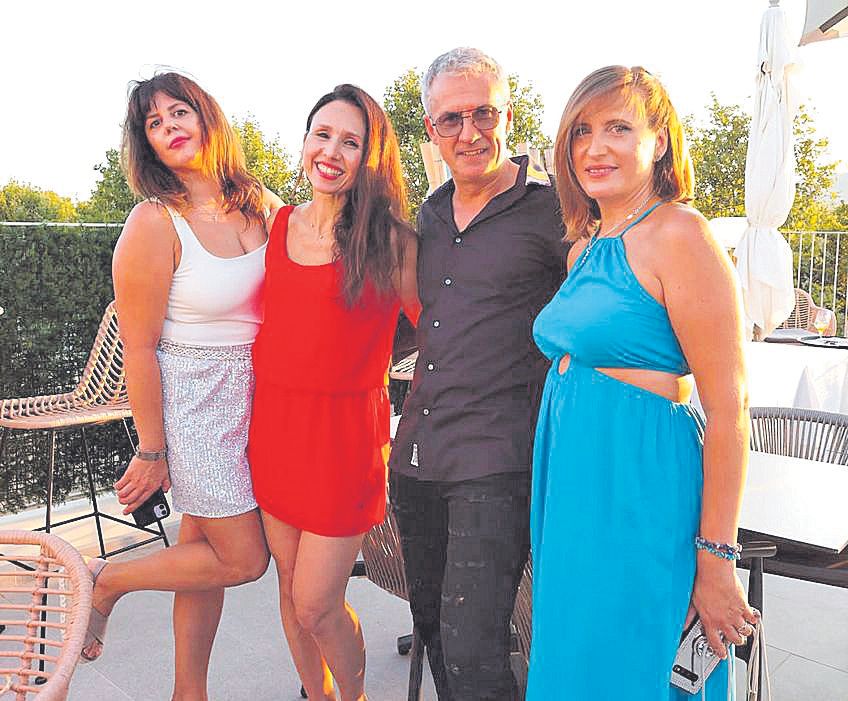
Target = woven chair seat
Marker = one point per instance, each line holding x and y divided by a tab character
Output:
58	411
45	601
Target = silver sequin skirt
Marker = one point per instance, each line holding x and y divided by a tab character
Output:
206	398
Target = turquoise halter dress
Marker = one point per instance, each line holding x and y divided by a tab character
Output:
616	500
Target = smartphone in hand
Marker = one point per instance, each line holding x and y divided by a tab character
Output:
153	509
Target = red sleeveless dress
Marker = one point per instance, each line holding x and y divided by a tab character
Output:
319	431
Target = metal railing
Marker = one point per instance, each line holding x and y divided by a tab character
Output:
820	261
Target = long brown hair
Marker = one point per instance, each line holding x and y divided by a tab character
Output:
370	228
673	178
222	157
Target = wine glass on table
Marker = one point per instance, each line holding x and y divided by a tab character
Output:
822	320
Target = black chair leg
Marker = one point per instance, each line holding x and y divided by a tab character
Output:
416	667
3	432
50	467
92	493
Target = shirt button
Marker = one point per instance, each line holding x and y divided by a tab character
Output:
436	324
426	412
458	239
448	281
430	366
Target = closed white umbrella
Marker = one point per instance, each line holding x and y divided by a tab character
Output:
763	258
826	19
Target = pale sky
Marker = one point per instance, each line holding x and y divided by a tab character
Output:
66	65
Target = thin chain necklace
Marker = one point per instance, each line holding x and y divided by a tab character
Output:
624	221
320	235
211	213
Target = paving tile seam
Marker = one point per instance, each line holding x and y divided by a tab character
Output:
789	656
111	683
816	662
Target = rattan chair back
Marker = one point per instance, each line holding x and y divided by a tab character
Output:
804	314
522	614
383	557
45	610
800	433
100	394
103	380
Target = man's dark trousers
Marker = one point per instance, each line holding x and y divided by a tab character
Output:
465	545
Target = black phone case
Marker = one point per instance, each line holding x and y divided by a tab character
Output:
153	509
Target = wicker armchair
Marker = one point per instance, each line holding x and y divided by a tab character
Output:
43	618
100	397
804	313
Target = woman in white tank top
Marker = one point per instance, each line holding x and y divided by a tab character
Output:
188	270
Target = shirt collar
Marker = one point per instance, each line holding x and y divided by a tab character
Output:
534	174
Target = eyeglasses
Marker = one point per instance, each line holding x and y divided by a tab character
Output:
485	118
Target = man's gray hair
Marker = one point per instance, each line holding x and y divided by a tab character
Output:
462	60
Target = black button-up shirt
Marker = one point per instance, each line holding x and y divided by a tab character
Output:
472	408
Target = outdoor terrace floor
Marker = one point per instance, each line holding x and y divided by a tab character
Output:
806	626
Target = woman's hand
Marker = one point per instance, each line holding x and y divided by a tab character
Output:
142	478
720	601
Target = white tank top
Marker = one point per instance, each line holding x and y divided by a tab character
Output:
213	301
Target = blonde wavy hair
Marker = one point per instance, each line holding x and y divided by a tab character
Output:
673	179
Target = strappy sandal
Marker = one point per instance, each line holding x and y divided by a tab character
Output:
96	632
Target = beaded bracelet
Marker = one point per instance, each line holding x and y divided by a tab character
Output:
726	551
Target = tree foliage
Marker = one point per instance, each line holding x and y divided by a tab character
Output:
270	162
21	202
402	102
111	199
718	148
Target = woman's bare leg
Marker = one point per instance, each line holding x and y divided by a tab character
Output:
233	552
321	574
283	541
196	618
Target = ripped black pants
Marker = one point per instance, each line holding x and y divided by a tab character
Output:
465	545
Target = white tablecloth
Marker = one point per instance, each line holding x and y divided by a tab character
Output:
788	375
801	500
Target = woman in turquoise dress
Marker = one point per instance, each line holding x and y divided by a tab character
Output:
626	475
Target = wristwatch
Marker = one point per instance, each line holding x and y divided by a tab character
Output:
151	455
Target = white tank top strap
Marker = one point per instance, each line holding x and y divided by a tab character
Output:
187	237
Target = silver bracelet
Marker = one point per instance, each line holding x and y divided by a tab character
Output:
151	455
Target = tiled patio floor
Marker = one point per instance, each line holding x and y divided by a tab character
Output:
807	630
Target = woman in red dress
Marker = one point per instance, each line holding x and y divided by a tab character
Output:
338	269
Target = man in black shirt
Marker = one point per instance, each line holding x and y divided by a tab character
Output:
490	257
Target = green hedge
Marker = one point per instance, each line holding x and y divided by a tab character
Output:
55	283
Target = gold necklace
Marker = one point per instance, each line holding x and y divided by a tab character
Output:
626	219
321	235
211	213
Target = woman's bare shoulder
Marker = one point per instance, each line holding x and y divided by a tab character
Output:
148	224
680	228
